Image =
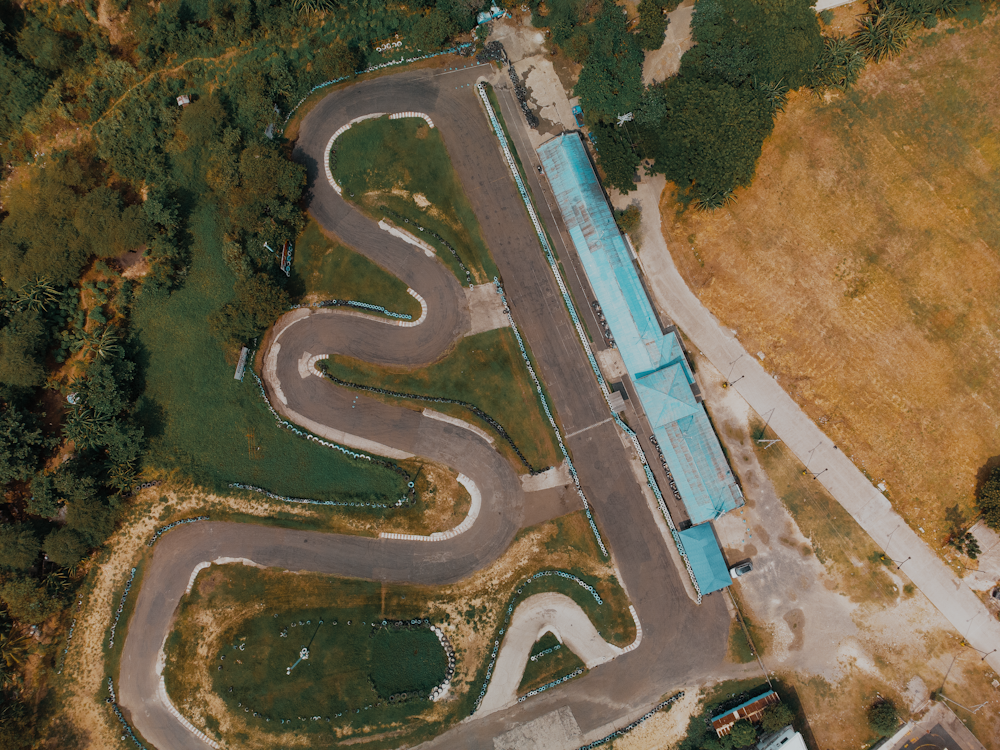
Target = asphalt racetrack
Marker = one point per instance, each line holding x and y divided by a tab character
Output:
682	643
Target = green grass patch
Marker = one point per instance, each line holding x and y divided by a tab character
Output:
216	429
485	370
550	666
393	164
353	667
836	538
329	270
739	647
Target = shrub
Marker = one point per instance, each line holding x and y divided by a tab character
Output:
776	717
988	500
628	218
19	547
743	734
65	547
882	718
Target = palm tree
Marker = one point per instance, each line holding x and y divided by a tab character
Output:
13	647
313	6
37	295
883	31
123	476
103	343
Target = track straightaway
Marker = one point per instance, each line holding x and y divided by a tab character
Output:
680	642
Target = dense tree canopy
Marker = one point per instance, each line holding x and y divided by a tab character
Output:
610	83
988	500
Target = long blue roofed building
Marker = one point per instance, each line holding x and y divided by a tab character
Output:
653	356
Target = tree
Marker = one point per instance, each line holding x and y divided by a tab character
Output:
19	547
743	734
27	602
988	500
713	136
259	302
335	60
65	547
21	343
883	719
610	83
628	218
432	31
44	501
776	717
616	156
652	25
20	444
882	32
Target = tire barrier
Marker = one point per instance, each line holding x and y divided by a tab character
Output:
654	486
458	49
435	235
69	637
126	727
629	727
402	502
546	652
510	611
121	607
352	303
439	400
543	688
411	492
522	97
144	486
164	529
666	469
568	301
435	694
492	52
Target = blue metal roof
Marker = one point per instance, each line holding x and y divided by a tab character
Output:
703	551
654	360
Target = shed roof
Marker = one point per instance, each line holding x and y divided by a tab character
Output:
654	359
710	569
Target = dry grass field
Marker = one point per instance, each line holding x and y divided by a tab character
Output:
863	262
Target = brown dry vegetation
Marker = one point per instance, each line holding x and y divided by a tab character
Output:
863	263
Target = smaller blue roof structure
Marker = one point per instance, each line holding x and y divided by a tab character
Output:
710	569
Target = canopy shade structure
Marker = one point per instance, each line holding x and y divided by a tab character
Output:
703	551
654	357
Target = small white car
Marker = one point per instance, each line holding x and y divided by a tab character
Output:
741	569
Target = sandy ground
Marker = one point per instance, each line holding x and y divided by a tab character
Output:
664	62
485	308
833	650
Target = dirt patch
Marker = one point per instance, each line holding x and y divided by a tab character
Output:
862	262
421	200
664	730
795	619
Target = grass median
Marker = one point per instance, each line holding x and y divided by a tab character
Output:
549	660
403	166
328	270
486	370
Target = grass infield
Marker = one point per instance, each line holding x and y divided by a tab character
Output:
403	165
550	666
329	270
486	370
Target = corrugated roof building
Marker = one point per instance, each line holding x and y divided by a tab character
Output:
654	359
752	711
710	569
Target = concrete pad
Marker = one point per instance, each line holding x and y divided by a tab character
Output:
666	61
485	309
519	38
553	731
557	476
611	363
544	505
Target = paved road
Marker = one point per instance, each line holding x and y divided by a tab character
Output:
681	642
845	481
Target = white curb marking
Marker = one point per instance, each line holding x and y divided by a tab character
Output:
440	536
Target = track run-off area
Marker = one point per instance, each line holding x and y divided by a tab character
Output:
681	643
